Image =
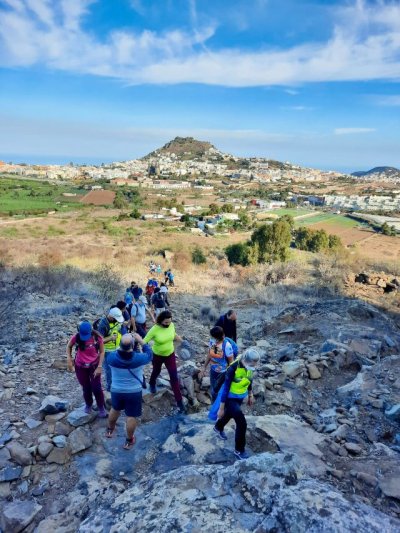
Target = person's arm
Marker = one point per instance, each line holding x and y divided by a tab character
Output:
230	374
150	335
250	399
203	371
228	352
177	338
151	314
142	358
70	345
101	354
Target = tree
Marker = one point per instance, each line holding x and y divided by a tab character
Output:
120	201
237	254
335	242
273	241
388	230
213	209
228	208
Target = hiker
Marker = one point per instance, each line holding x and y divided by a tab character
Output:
150	289
138	315
163	334
126	324
152	267
170	278
88	365
228	323
237	386
222	351
157	301
109	328
127	383
164	290
135	290
158	270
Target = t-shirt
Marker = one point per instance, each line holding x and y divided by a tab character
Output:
90	354
163	339
222	363
138	312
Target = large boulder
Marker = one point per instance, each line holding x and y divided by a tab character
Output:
264	493
17	515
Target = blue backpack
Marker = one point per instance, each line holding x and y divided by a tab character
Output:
235	347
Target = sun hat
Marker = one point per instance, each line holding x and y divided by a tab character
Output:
143	299
85	330
117	314
250	358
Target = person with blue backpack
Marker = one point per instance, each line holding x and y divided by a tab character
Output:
221	353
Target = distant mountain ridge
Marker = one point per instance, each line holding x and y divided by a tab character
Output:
388	171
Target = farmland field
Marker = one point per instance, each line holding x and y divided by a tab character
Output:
18	196
350	231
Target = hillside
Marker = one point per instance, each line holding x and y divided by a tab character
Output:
187	148
375	172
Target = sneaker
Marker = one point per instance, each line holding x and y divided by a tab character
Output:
241	455
220	434
153	389
88	409
102	413
181	408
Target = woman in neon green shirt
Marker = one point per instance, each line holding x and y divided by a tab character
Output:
163	335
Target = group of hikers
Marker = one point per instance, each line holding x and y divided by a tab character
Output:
121	344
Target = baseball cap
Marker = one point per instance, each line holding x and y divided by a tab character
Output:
117	314
163	289
143	299
85	330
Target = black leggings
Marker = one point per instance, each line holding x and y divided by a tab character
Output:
233	410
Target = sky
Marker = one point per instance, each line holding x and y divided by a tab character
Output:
313	82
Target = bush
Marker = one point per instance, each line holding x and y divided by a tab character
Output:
198	257
316	240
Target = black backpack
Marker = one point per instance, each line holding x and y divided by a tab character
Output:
158	300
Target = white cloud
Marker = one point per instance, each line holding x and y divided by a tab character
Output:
297	108
352	131
363	46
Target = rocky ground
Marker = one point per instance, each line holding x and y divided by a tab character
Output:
324	434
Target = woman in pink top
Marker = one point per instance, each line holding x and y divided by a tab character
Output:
88	364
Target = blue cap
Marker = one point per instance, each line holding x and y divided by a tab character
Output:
85	330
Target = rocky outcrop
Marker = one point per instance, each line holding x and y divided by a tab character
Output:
264	493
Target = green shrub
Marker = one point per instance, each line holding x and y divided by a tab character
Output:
198	257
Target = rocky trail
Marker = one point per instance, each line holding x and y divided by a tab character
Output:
324	435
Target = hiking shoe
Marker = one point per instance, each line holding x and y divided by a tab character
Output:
102	413
88	409
153	389
220	434
241	455
181	408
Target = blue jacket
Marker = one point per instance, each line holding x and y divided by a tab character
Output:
127	369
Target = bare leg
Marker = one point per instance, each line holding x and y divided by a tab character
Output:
131	425
113	417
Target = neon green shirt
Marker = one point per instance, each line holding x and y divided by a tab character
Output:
163	339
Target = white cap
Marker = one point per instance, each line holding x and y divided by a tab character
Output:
163	289
143	299
117	314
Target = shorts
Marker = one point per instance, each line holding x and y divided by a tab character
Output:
130	402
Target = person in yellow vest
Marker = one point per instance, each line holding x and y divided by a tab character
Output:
109	328
237	386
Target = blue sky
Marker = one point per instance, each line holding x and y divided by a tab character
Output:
313	82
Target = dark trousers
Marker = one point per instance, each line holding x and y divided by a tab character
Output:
233	410
91	385
141	329
214	377
170	364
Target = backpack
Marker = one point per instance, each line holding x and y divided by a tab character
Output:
221	378
159	301
235	347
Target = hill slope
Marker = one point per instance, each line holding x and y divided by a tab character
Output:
186	148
